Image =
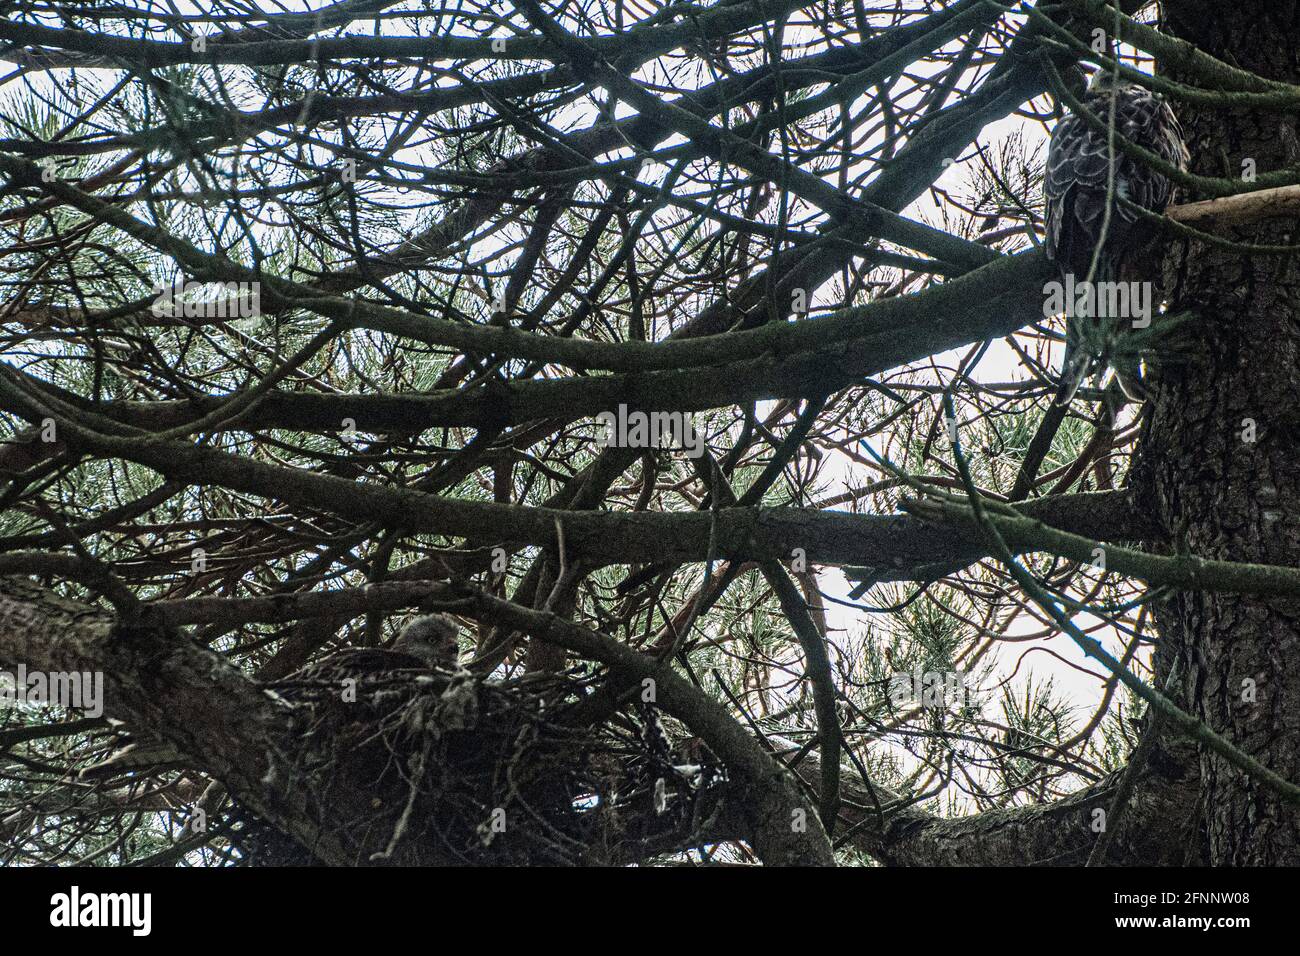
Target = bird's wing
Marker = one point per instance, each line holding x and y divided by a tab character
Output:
1074	187
1079	156
1149	121
1078	173
357	662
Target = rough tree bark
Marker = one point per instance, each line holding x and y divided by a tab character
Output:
1219	491
192	697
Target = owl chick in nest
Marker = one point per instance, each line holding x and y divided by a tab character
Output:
433	638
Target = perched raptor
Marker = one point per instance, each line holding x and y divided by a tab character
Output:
425	642
1084	168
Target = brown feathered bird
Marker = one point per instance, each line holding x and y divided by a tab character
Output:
426	641
1084	220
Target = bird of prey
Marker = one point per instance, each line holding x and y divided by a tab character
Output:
429	641
434	638
1085	172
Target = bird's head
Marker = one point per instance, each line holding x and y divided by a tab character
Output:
1105	81
434	638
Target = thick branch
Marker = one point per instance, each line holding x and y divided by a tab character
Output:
156	680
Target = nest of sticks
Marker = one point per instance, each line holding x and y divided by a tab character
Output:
442	768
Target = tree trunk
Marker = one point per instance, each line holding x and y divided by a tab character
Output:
1221	490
